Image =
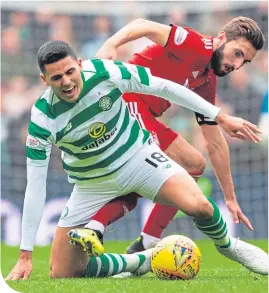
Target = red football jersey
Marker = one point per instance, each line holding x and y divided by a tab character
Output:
184	60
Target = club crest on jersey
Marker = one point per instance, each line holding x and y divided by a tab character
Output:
105	103
96	130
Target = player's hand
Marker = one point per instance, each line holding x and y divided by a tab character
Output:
238	216
238	127
107	51
23	268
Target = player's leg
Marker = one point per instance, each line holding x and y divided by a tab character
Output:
111	212
183	192
168	183
111	264
181	152
85	201
69	261
161	215
66	261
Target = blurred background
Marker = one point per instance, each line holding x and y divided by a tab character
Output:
26	25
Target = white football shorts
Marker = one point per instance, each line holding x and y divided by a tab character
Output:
144	174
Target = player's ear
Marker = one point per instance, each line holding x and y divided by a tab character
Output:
79	62
221	38
43	78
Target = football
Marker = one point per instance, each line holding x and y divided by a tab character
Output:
176	257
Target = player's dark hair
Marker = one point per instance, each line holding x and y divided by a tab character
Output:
244	27
53	51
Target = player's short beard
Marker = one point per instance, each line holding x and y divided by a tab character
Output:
216	61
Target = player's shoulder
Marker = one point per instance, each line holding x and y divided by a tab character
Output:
192	36
102	68
45	97
43	104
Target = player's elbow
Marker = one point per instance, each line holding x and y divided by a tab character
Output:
139	21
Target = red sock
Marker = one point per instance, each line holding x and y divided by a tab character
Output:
116	209
158	220
161	216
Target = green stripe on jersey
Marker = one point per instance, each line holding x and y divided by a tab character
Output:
113	157
53	111
101	75
86	115
143	75
82	156
125	74
35	154
38	131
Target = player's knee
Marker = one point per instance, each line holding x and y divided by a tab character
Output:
57	272
205	209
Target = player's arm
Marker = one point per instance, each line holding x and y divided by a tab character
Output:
141	81
219	154
38	151
156	32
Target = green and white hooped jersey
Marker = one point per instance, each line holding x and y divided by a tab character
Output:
97	134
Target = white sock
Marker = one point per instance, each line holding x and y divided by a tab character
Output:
149	241
95	225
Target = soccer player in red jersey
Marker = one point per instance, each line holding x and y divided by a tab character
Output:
182	55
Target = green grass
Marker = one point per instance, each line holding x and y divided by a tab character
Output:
217	275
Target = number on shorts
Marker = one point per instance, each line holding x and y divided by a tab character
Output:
158	157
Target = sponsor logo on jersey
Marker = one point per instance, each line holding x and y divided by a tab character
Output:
96	130
195	73
99	141
32	142
105	103
180	35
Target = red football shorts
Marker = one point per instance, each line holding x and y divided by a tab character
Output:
161	134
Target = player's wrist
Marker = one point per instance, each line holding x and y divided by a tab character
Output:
25	254
221	117
230	197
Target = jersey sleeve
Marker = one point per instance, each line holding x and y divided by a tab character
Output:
137	79
38	143
186	42
38	148
208	92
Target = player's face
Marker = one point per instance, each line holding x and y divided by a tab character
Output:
64	78
232	55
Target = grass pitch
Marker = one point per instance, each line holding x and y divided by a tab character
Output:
217	275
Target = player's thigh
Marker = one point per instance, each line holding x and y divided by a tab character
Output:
186	155
66	260
181	191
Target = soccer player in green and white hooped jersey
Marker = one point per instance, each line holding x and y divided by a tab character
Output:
106	154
